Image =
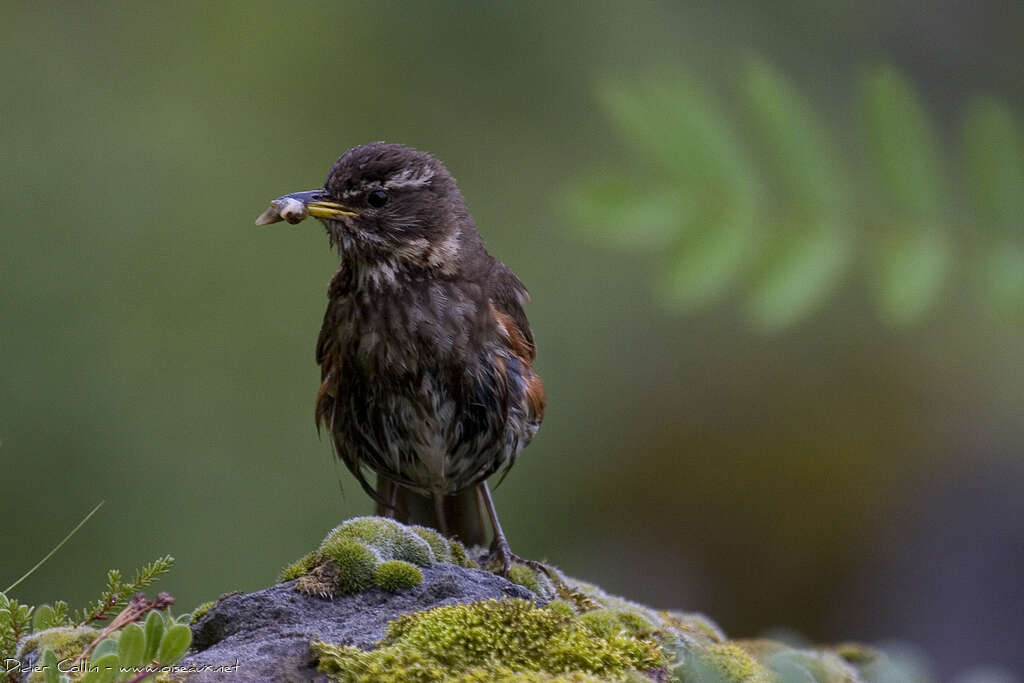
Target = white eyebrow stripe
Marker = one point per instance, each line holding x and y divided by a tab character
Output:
406	178
410	177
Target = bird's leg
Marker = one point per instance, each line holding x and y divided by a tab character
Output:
386	490
502	552
500	549
442	520
393	501
482	511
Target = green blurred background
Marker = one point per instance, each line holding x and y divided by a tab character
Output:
849	472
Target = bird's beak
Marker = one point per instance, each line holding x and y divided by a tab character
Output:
295	207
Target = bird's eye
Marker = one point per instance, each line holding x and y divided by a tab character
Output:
377	198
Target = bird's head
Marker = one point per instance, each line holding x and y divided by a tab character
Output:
386	206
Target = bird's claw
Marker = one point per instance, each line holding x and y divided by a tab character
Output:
502	558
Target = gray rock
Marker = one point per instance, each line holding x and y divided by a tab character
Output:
267	633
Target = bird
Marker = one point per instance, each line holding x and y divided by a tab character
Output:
425	352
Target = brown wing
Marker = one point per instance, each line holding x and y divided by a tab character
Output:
507	296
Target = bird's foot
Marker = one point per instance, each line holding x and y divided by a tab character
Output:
501	558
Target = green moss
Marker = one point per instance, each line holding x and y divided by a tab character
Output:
198	612
607	622
390	540
394	575
438	544
355	561
65	641
460	556
349	554
534	580
734	662
636	623
694	625
524	576
297	568
490	640
562	607
602	622
722	663
586	597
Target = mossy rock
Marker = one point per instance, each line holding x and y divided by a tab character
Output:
494	631
349	557
598	636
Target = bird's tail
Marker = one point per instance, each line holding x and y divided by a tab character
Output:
461	516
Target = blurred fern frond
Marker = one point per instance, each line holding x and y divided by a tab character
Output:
768	203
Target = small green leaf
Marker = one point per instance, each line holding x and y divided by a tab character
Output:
60	614
901	147
797	145
798	272
911	269
174	644
131	646
154	630
709	261
659	133
43	618
994	159
676	123
105	647
102	669
627	214
51	672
